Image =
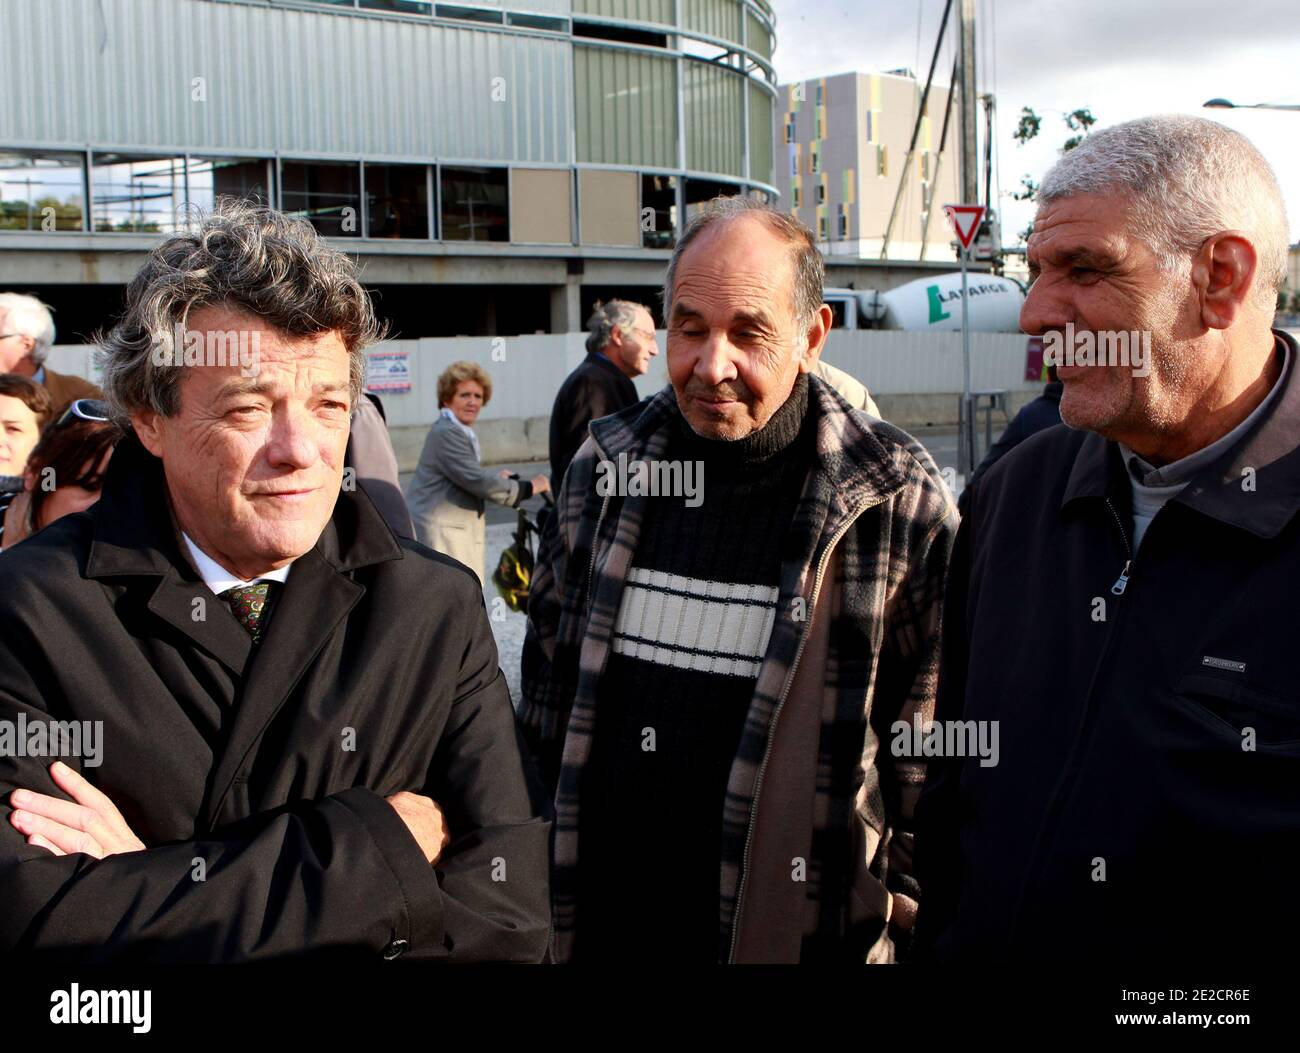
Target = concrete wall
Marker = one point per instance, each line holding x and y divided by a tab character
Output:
915	378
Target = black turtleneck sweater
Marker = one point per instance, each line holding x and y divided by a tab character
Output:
692	627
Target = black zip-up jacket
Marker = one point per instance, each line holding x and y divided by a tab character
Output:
596	388
1145	803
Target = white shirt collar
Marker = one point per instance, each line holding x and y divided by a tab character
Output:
473	439
217	578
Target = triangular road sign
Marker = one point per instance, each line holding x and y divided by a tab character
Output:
965	220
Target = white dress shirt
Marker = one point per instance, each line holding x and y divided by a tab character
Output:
217	578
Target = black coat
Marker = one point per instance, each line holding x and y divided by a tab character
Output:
596	388
237	757
1125	818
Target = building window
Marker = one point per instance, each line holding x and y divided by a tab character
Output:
469	14
133	193
406	7
821	228
794	195
821	193
821	124
794	161
525	21
397	201
33	181
658	211
325	193
475	204
789	130
601	31
821	94
844	223
815	159
216	177
882	160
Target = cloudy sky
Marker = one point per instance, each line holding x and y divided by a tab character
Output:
1120	58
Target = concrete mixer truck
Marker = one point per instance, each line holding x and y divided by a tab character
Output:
932	305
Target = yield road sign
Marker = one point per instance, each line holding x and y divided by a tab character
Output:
965	220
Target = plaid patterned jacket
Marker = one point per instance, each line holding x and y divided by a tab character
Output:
817	843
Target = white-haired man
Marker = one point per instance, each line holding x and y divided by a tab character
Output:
1121	605
26	336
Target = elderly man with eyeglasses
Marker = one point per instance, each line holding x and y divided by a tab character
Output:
620	344
26	336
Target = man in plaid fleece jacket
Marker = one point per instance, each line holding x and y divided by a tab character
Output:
710	683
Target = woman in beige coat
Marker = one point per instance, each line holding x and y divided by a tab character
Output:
448	494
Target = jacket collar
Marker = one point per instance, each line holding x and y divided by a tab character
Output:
1271	450
853	466
134	535
598	359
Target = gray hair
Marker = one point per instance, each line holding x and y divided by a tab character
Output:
617	314
1189	178
809	266
27	315
247	257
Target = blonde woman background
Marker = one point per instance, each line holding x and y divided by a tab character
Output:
449	492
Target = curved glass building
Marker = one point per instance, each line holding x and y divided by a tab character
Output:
496	167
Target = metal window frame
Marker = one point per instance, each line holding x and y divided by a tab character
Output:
509	180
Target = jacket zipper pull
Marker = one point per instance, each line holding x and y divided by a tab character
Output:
1122	583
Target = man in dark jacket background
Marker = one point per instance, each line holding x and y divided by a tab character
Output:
1035	415
620	344
281	730
1121	604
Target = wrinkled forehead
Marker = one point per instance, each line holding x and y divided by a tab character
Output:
739	263
1084	229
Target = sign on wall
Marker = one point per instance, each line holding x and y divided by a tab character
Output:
388	372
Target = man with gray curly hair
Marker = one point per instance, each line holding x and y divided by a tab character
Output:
307	745
1121	603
